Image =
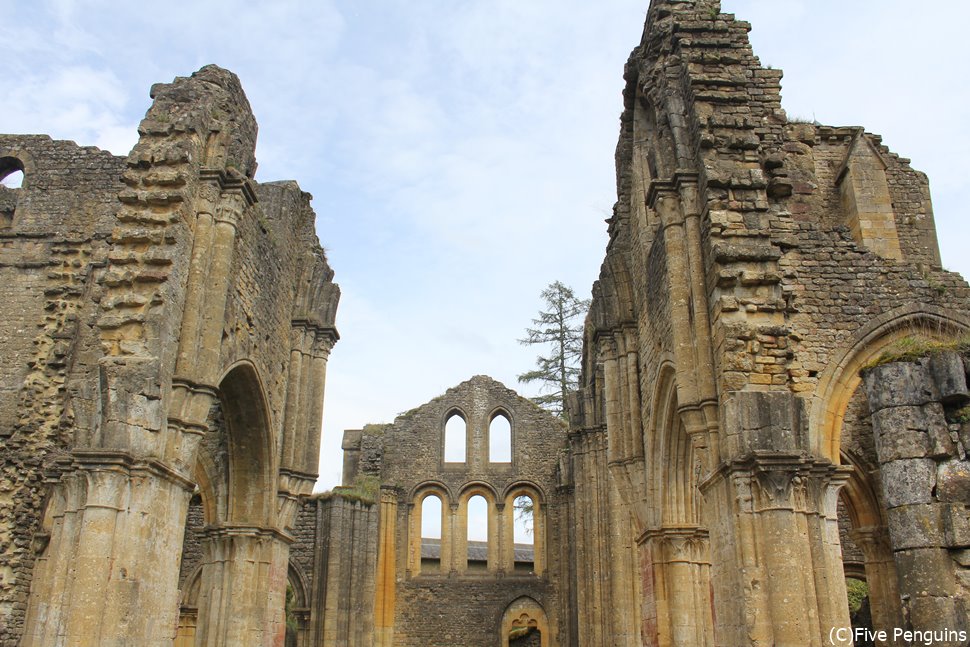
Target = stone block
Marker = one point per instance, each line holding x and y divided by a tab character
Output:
964	435
950	377
767	421
908	481
898	384
931	612
956	525
917	526
925	571
941	443
961	557
900	433
953	482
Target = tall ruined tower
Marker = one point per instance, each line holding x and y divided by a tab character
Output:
166	332
754	266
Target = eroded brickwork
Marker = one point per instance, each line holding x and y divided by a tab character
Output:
163	351
754	266
167	324
55	240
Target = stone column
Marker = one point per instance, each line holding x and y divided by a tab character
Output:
880	575
452	534
243	589
681	582
492	536
94	589
505	520
460	545
386	584
538	537
777	567
924	486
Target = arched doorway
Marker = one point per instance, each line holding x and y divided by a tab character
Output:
524	625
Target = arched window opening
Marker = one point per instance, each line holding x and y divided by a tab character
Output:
431	534
11	177
477	530
14	180
455	439
500	440
11	172
523	543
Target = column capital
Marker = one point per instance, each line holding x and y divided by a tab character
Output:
244	531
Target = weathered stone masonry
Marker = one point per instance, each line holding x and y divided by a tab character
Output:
455	603
738	444
170	321
754	266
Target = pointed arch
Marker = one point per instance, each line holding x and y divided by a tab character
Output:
840	379
525	613
252	483
675	543
454	437
500	437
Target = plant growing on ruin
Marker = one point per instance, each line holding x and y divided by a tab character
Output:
559	327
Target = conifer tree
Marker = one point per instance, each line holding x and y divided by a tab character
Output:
559	327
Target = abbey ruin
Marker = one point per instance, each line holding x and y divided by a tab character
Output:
774	397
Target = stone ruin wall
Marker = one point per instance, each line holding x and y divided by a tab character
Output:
406	458
55	236
95	263
754	264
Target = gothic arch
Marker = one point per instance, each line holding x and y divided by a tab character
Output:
212	489
859	496
252	483
524	612
297	606
490	450
675	540
869	531
840	379
445	461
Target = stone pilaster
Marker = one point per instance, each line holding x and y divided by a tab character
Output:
386	586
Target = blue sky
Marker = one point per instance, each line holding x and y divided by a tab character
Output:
460	154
